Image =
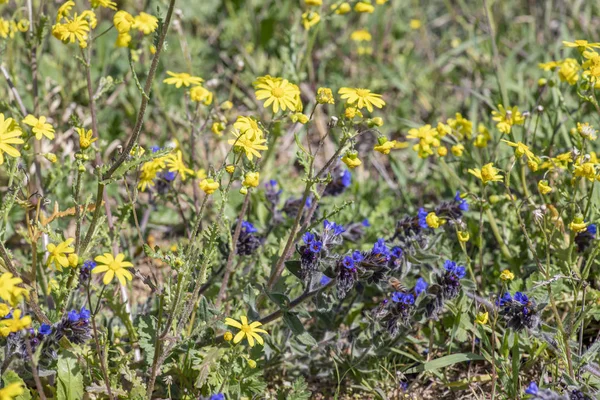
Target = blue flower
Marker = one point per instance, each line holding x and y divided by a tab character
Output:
405	298
325	280
332	226
89	265
73	316
357	256
218	396
45	329
506	298
397	252
592	229
84	313
404	386
308	202
532	388
380	248
155	149
420	286
462	203
248	227
366	223
457	270
272	183
346	178
422	215
315	246
348	262
308	237
521	297
170	176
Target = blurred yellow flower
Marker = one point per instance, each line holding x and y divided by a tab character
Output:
544	187
14	324
586	131
487	173
145	23
506	118
85	137
40	126
342	9
458	150
175	164
104	3
182	79
325	96
433	221
506	275
9	289
482	318
209	186
123	21
463	236
363	7
351	159
310	19
415	24
578	224
361	36
10	134
251	179
12	391
200	94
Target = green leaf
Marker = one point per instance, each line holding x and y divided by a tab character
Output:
293	322
11	376
306	339
147	333
444	362
69	378
294	267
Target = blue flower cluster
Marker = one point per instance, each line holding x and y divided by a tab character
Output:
82	315
314	245
452	268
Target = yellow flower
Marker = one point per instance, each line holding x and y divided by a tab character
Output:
586	131
249	144
145	23
23	25
458	150
487	173
251	363
201	174
278	92
463	236
230	169
9	134
483	136
521	149
385	146
182	78
442	151
73	30
433	221
414	24
9	291
249	331
228	336
342	9
123	21
217	128
201	94
325	96
581	44
113	266
208	186
4	311
578	224
586	170
299	117
249	127
73	259
64	10
428	138
175	164
377	121
482	318
310	19
251	179
352	112
58	254
104	3
361	36
569	70
40	127
85	137
351	159
362	97
363	7
146	178
226	105
544	187
506	275
313	2
123	39
506	118
14	324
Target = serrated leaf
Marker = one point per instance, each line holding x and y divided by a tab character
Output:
147	333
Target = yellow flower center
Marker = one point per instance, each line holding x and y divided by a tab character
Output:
277	92
73	26
362	92
115	266
246	329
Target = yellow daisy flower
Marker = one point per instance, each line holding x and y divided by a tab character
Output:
362	97
278	92
487	173
175	164
40	127
113	266
9	134
14	324
145	23
249	331
59	254
182	79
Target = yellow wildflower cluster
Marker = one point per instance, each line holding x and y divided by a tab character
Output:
507	117
459	128
125	22
13	294
198	93
249	138
9	28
